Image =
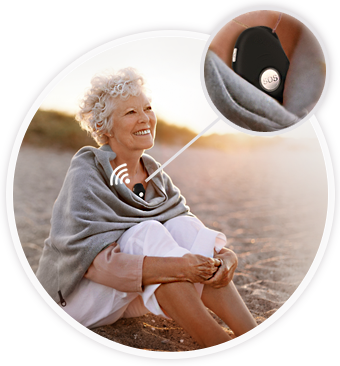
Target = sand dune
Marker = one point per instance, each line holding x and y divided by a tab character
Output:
270	202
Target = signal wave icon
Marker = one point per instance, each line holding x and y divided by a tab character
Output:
120	176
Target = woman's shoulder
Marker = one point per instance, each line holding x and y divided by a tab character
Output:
83	160
88	155
90	164
89	169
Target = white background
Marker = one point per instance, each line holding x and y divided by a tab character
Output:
313	335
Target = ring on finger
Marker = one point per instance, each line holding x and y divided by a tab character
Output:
220	262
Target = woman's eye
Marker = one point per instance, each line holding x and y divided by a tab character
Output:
130	112
148	108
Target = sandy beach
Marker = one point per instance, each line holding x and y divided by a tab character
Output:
270	202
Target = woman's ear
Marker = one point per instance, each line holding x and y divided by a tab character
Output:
110	134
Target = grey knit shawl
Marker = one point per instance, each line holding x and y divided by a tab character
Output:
90	214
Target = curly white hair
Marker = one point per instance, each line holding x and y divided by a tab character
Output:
95	115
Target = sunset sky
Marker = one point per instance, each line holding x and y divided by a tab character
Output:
171	66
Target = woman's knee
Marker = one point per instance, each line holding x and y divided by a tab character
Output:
184	222
151	224
184	230
153	227
144	227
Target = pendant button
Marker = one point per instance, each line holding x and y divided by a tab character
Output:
270	79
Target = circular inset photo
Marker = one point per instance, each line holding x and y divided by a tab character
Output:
146	238
264	71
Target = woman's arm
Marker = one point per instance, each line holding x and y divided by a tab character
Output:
117	270
191	267
129	273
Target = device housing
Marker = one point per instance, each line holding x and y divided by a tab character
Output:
259	58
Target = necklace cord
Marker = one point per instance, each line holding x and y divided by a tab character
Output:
277	23
246	26
241	24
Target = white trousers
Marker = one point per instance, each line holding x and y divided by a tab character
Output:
93	304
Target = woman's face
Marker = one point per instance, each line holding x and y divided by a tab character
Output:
134	124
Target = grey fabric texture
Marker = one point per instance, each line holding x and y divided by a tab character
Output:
306	77
241	102
90	214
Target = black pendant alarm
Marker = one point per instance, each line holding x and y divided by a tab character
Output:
139	190
259	58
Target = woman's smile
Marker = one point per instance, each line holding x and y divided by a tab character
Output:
142	132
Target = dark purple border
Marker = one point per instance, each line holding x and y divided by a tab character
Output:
137	16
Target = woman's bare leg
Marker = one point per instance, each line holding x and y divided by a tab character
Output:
182	303
227	303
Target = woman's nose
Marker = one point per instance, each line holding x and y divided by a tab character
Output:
144	117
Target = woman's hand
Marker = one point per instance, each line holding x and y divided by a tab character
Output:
225	272
191	267
199	268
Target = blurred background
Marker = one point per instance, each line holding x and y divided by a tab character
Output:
267	194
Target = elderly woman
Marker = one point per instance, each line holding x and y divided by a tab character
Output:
112	253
